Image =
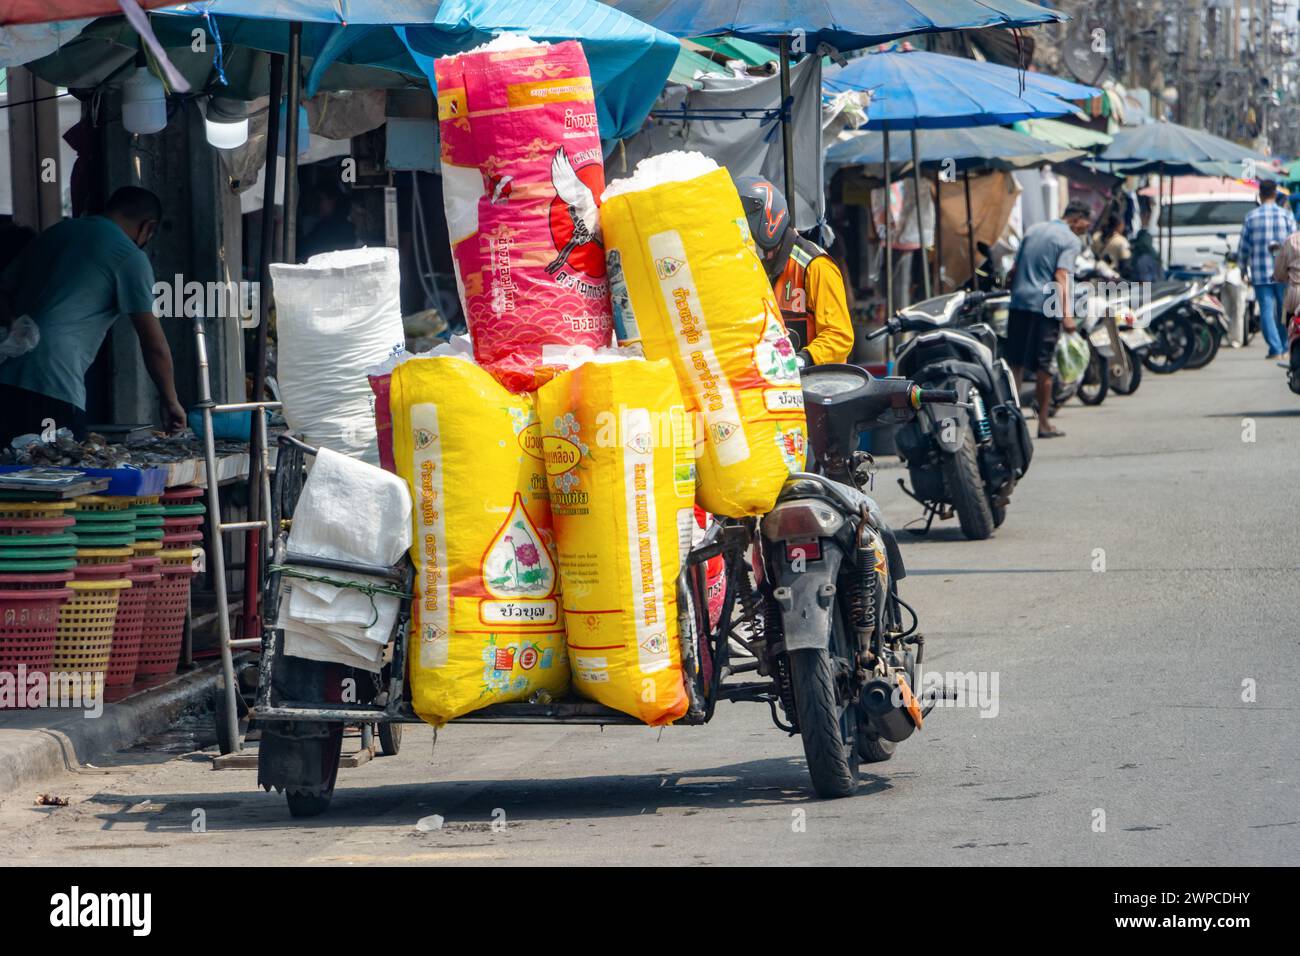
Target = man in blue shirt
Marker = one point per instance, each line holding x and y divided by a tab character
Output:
1042	302
74	281
1266	228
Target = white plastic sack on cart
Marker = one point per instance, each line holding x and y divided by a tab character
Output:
336	316
348	511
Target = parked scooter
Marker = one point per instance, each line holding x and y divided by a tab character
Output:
846	670
1112	329
964	457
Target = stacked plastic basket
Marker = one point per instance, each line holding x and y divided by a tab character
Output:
37	560
105	530
128	631
163	631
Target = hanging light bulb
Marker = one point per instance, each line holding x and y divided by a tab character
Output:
144	102
225	122
304	130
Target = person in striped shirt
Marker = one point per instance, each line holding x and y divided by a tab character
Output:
1264	230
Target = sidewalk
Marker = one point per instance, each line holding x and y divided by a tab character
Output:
36	744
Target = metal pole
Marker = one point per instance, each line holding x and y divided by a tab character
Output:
920	228
787	132
217	567
889	250
257	456
970	228
291	144
938	238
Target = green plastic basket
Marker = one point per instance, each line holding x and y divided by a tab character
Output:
150	534
105	540
37	554
177	510
37	540
35	567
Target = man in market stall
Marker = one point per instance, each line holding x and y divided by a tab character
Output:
807	282
74	281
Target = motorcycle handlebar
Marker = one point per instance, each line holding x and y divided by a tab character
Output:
938	396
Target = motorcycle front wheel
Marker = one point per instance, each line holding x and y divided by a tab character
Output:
826	725
1096	379
1175	342
1129	385
1207	345
961	472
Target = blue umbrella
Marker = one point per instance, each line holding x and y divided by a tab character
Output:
982	147
843	24
919	90
629	60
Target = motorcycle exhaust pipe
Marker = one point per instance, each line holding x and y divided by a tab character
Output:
890	707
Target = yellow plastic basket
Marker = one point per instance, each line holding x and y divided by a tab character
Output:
102	555
35	510
85	637
146	548
177	557
102	503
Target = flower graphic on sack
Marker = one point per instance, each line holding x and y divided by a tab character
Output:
774	356
564	452
516	564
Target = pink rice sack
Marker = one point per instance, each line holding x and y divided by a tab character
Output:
522	175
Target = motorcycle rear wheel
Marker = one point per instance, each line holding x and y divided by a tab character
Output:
961	472
832	760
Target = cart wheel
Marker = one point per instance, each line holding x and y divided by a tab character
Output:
303	804
390	738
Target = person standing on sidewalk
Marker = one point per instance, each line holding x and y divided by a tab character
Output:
1042	302
1264	230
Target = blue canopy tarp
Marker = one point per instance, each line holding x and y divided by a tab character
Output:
920	90
629	60
842	24
976	147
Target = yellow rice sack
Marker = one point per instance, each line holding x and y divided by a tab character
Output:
687	286
486	624
620	466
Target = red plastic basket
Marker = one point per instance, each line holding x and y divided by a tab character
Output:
181	538
184	521
23	526
36	581
182	495
29	628
164	622
128	629
91	572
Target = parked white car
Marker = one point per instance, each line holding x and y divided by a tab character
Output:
1205	227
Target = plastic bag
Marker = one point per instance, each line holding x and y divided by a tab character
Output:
336	316
522	173
691	289
619	463
486	622
1072	355
20	338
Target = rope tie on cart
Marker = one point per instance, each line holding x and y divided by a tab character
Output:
368	589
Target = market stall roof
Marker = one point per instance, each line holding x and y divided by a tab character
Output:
842	24
918	90
734	48
977	147
1179	150
51	11
1066	135
629	60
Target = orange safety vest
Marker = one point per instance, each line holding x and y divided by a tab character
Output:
792	294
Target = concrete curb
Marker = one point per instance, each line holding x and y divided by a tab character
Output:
64	740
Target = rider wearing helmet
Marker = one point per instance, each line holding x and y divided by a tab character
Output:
808	285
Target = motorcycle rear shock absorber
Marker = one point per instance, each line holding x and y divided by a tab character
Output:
862	597
983	427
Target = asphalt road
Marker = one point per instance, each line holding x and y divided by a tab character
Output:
1122	732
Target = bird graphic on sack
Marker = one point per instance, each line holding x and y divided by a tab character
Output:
575	217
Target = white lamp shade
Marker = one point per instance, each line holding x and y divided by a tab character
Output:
226	135
144	103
